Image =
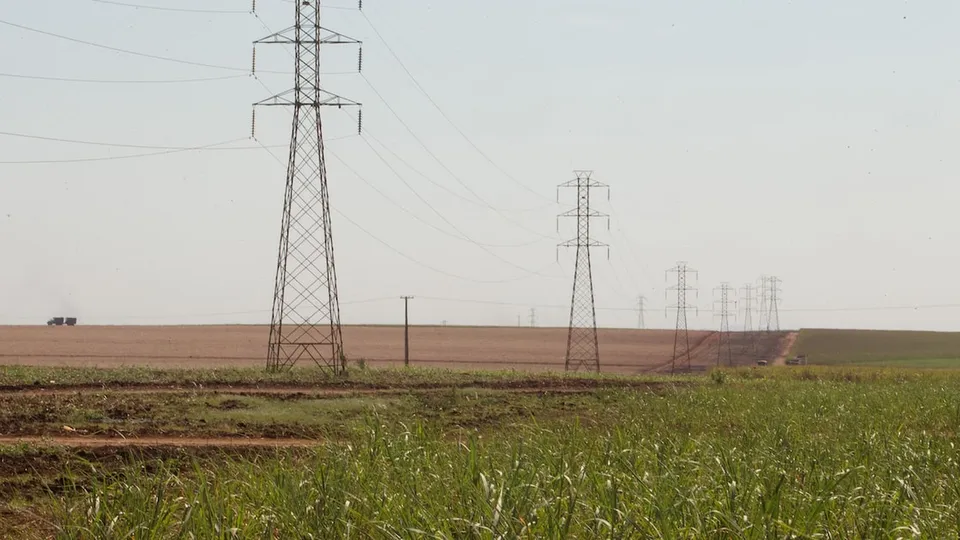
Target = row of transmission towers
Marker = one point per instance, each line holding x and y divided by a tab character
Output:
725	307
305	319
583	350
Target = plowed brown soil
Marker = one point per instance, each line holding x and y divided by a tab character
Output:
488	348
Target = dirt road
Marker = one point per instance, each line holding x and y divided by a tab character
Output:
155	442
787	344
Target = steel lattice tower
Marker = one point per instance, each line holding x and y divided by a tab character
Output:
764	303
750	345
305	321
725	303
583	348
773	302
681	337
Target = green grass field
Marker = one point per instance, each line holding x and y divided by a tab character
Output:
880	348
793	452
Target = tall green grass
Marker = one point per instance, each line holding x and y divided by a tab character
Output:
742	459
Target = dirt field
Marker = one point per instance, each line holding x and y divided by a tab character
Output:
621	351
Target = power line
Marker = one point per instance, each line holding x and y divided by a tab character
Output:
513	304
646	308
229	313
127	51
389	246
442	113
367	133
464	236
179	10
630	247
617	285
414	214
424	265
125	145
113	158
325	7
446	168
115	81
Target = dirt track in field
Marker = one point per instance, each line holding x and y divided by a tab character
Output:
781	359
159	442
488	348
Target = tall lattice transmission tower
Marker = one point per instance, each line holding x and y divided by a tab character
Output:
747	297
773	303
749	345
681	337
725	307
583	347
763	286
305	321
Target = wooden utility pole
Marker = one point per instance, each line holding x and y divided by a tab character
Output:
406	329
641	300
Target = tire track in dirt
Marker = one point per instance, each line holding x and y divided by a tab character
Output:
695	351
158	442
781	359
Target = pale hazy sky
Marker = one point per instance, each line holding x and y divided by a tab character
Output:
813	140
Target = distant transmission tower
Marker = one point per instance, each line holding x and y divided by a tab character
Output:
725	303
641	300
764	302
533	317
681	338
773	303
305	324
583	348
747	296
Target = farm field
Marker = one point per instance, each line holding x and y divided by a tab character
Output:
880	348
478	348
743	452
